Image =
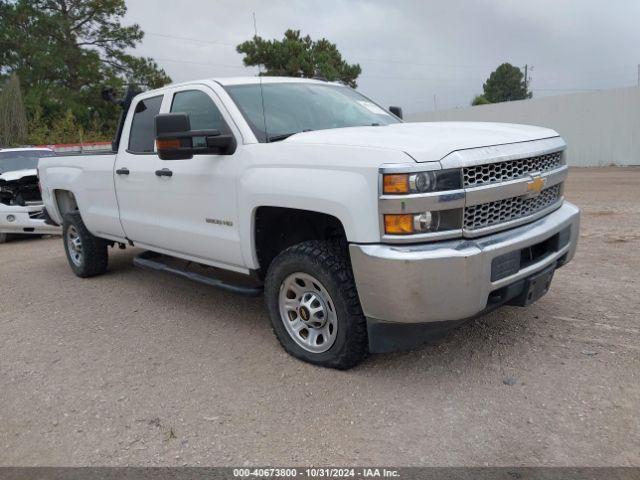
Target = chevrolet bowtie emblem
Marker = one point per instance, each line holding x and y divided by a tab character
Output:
536	185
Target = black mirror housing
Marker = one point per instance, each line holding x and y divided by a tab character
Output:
172	123
176	141
397	111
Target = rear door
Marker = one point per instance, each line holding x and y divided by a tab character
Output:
134	172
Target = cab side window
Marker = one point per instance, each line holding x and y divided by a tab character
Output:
142	136
203	113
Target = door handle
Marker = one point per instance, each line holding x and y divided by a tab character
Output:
122	171
165	172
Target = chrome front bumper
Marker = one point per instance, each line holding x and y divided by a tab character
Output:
16	219
450	280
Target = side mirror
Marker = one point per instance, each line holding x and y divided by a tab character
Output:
176	141
397	111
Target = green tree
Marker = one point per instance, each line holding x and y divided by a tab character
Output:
479	100
296	56
39	131
65	129
506	83
13	118
66	51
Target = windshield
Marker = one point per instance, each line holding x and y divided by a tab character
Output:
298	107
21	159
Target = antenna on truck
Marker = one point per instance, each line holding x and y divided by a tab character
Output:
264	115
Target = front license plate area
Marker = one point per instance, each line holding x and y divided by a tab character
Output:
536	286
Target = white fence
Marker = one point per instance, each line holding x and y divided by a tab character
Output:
601	128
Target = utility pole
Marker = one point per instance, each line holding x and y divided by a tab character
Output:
639	74
526	68
435	103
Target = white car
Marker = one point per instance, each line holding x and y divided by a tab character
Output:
367	234
21	208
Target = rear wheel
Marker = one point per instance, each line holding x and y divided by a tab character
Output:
87	254
3	237
314	307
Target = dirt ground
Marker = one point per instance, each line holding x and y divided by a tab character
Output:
137	368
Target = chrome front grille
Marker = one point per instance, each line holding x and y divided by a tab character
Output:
501	211
477	175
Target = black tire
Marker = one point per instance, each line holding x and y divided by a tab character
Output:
3	237
94	258
327	262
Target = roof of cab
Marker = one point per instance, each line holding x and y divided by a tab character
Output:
253	80
228	81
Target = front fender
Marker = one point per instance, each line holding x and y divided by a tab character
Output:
350	196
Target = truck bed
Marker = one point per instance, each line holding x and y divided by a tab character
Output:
90	178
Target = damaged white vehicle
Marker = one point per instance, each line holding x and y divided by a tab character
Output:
21	208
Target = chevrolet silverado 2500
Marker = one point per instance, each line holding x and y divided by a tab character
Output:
21	209
367	234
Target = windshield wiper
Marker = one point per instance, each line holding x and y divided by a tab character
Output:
277	138
282	136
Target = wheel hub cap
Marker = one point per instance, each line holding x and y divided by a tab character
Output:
312	310
308	313
74	244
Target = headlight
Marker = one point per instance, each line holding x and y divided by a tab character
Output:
421	182
425	222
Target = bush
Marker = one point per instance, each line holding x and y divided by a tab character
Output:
64	129
480	100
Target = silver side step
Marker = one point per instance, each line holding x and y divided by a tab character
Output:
235	283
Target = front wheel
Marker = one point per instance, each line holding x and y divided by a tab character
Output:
87	254
314	307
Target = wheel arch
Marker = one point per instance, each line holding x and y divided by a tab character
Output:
64	202
277	228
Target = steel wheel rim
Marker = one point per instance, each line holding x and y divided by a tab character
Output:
74	245
308	312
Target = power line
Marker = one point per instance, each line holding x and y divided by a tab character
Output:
568	89
439	65
361	59
604	73
190	39
423	79
208	64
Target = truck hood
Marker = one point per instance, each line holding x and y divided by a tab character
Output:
427	141
19	187
18	174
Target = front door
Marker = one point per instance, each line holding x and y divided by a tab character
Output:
195	201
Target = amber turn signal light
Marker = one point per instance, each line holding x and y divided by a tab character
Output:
168	143
398	224
396	183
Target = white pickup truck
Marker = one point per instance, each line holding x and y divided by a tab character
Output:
366	233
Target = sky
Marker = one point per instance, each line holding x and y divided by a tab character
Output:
420	55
